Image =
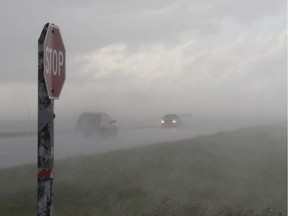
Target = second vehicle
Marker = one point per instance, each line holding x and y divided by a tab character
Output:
170	120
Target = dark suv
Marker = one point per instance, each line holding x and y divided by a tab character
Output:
98	123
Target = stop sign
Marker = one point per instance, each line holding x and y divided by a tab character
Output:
54	61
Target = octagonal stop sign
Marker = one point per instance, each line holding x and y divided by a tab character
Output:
54	61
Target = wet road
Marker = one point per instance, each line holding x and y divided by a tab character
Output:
16	151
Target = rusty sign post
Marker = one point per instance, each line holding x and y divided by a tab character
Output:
51	76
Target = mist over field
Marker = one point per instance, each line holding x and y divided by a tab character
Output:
241	172
18	140
220	65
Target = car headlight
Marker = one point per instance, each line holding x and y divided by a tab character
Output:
162	121
174	121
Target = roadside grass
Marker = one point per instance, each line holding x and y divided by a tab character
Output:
238	173
17	134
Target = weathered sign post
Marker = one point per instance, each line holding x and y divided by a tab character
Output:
51	76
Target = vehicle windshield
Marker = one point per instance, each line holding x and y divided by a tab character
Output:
170	116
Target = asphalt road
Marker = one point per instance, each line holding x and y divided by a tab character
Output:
16	151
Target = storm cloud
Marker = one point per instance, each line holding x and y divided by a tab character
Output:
132	57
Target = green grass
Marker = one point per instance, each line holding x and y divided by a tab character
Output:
239	173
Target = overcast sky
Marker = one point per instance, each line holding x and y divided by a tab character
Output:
131	57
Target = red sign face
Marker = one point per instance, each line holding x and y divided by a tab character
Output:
54	61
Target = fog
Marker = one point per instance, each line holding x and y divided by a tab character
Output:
137	59
220	65
18	140
244	169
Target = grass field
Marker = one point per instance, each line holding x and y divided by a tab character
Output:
239	173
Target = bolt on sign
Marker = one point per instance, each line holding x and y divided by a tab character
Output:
54	61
